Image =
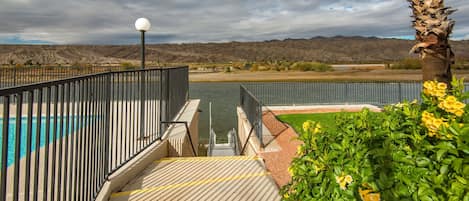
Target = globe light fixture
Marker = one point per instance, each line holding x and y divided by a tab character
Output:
142	24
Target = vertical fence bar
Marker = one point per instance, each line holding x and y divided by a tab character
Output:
5	140
28	148
160	103
47	144
60	139
55	93
72	160
88	113
110	132
142	105
38	144
107	131
79	170
66	140
134	116
121	119
16	174
259	124
93	139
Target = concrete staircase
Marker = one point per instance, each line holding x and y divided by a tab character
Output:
202	178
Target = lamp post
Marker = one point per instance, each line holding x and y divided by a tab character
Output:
142	25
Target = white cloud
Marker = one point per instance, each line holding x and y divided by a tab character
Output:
106	21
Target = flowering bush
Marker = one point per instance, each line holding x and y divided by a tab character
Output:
410	151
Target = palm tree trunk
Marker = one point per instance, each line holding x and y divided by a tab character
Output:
436	68
433	28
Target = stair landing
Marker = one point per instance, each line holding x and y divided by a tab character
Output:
202	178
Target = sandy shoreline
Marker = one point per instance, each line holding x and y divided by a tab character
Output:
346	75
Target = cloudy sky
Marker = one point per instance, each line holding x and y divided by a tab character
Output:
178	21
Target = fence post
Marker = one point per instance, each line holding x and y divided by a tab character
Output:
107	124
400	91
142	105
259	124
164	91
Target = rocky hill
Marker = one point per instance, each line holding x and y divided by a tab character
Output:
331	50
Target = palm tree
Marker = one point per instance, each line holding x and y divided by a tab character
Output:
433	28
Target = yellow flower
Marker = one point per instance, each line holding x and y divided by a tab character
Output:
433	88
427	114
452	105
306	126
433	124
437	122
451	99
290	170
459	105
368	195
348	179
299	150
441	86
286	196
431	134
343	181
317	128
338	179
439	94
459	113
429	85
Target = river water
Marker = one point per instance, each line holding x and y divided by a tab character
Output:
224	98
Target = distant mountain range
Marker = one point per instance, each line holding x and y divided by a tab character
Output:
337	49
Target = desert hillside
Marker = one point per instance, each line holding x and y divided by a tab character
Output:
331	50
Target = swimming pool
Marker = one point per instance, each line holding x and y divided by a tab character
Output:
42	138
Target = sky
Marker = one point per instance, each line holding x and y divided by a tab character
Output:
186	21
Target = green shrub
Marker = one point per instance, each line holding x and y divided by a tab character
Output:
413	151
311	66
407	63
128	66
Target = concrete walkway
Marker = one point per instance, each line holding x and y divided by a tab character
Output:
202	178
223	150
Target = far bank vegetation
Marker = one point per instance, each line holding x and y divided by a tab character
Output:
415	63
287	66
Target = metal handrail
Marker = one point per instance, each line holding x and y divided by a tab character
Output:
234	140
247	139
211	142
188	132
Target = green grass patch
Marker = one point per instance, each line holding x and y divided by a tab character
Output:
327	120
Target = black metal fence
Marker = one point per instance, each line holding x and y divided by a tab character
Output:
378	93
304	93
15	76
62	139
177	91
252	107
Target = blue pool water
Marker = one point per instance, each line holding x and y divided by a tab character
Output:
42	137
